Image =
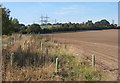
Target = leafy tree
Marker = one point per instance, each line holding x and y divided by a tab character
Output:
23	29
97	24
34	28
7	27
102	24
65	25
15	23
49	24
113	26
82	26
89	24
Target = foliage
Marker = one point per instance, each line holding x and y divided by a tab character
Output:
10	25
34	28
102	24
15	23
6	21
89	24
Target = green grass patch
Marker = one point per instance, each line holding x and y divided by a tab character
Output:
49	26
73	70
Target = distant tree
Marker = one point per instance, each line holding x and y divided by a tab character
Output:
77	25
34	28
83	25
21	25
23	30
49	24
89	24
102	24
58	23
113	26
97	24
15	23
118	27
70	25
64	27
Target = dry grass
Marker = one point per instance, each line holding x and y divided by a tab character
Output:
34	60
31	63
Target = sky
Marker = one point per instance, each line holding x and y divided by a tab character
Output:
78	12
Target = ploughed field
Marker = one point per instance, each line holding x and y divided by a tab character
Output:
103	44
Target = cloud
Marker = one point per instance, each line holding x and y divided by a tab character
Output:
71	7
67	10
60	13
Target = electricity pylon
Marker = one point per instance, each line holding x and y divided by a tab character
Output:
44	19
112	21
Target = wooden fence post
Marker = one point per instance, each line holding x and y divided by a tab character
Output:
14	39
41	45
65	46
93	60
56	70
12	58
44	56
46	51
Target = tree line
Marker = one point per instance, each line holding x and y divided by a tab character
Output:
11	25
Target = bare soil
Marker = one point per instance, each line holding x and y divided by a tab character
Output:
103	44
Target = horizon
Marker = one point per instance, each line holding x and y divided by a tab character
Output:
64	12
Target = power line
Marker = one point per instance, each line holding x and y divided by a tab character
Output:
55	21
112	21
44	19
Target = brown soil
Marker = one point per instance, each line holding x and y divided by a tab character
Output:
103	44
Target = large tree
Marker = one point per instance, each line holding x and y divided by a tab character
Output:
7	27
102	24
15	24
34	28
89	24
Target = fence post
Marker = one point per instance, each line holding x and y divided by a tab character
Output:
41	45
65	46
56	66
45	56
14	38
46	51
93	60
10	40
12	58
